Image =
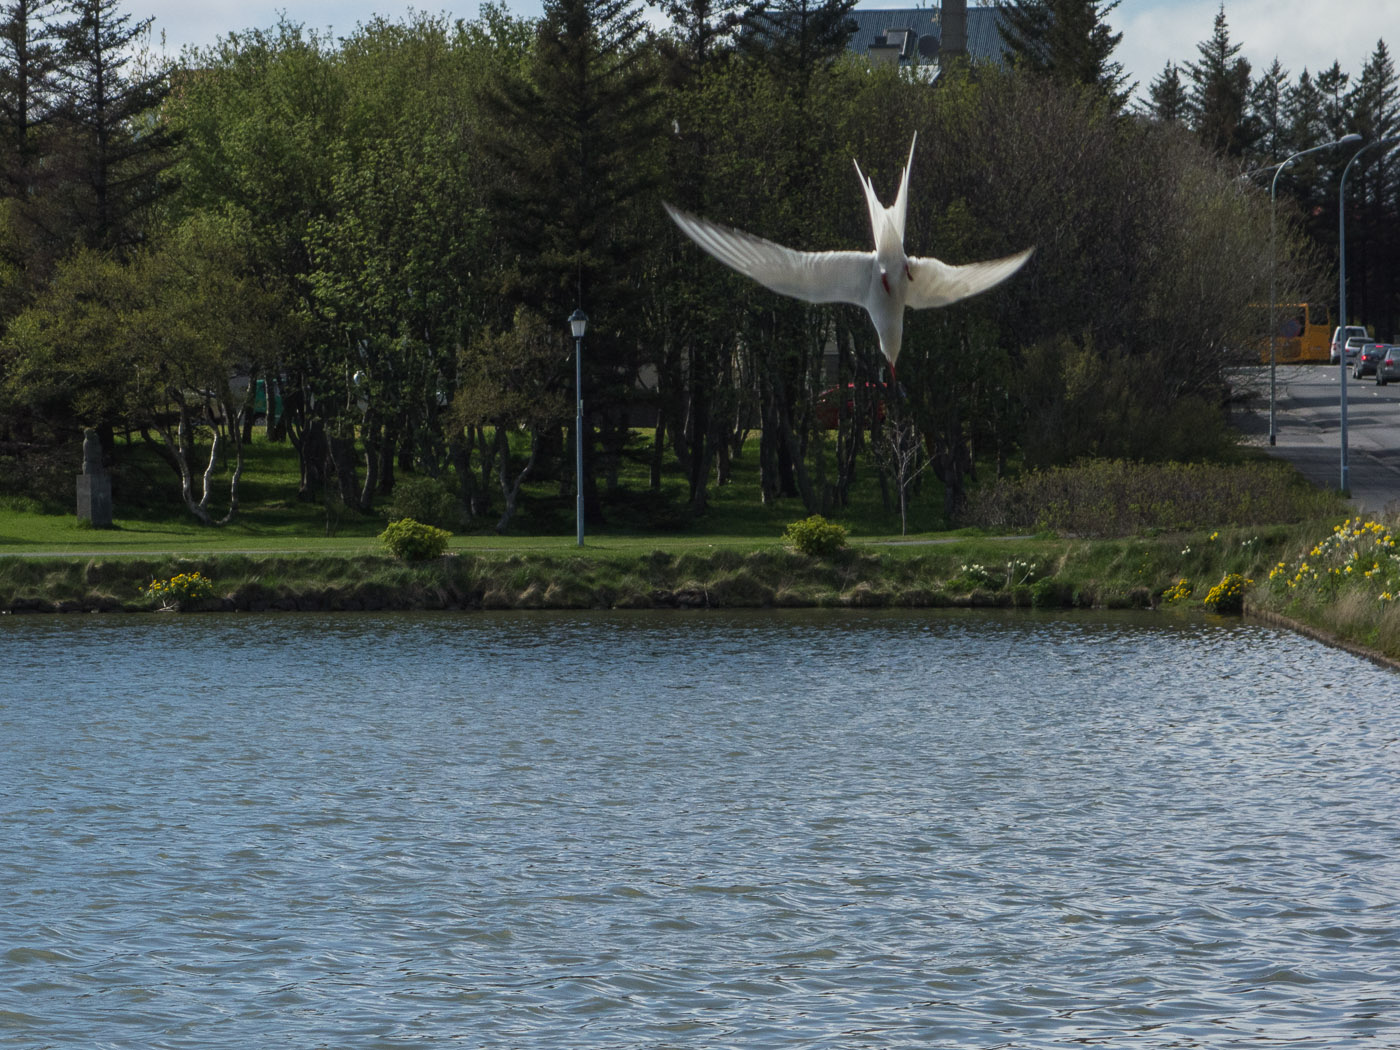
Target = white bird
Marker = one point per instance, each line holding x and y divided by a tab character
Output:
884	281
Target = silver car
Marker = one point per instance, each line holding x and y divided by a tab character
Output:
1338	334
1389	366
1367	359
1354	345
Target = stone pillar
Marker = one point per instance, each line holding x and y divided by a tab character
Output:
94	485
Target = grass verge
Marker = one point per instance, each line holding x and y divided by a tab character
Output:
1342	582
953	570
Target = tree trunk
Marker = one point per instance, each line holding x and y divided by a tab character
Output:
658	451
312	454
510	488
459	454
236	429
342	461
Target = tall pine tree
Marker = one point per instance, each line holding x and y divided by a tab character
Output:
1303	109
1068	39
797	39
573	138
117	149
1268	100
1167	97
1374	196
1336	109
28	66
1219	93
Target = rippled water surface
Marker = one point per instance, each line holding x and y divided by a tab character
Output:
693	830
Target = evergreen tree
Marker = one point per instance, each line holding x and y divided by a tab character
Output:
573	138
702	31
1373	198
1303	110
28	64
689	344
116	144
796	39
1167	96
1375	101
1336	110
1068	39
1268	107
1219	92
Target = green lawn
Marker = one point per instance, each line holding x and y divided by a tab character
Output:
151	518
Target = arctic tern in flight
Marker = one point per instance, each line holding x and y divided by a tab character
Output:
884	281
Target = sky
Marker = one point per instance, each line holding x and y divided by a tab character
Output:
1300	33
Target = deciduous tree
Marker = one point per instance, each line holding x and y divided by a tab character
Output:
156	339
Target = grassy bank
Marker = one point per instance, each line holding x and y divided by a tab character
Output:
947	570
1342	582
1345	588
1106	535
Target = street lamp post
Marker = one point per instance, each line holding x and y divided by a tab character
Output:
1273	274
578	324
1342	289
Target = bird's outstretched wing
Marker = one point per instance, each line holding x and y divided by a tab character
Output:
817	277
935	283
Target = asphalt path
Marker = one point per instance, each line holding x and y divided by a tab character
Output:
1308	429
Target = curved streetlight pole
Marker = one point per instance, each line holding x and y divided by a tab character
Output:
1342	290
1273	274
578	324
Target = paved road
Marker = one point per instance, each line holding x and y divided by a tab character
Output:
1309	430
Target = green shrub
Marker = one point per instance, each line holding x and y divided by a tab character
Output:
1049	593
413	541
1227	596
424	499
1177	592
1119	498
816	536
181	589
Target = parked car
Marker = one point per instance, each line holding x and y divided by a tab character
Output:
1354	345
1351	331
1389	367
1367	358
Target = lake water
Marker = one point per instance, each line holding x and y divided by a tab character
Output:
942	829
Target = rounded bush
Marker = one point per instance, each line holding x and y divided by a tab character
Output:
816	536
1227	596
413	541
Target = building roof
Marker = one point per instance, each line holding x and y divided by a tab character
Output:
911	35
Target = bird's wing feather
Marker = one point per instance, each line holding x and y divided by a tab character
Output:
935	283
901	200
817	277
872	204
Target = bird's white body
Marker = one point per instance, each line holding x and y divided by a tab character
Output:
884	281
